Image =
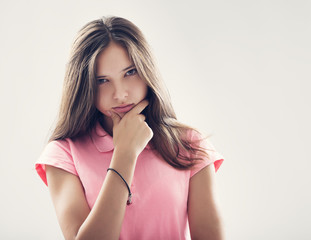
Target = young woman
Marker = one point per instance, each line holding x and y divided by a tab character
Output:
119	165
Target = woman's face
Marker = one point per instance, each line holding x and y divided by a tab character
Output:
119	86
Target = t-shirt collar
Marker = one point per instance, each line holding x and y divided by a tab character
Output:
102	140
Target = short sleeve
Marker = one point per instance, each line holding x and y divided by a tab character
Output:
57	154
213	155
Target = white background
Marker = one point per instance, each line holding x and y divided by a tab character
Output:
239	70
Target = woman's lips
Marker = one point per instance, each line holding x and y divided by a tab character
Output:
124	108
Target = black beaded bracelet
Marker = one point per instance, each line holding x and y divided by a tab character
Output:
129	201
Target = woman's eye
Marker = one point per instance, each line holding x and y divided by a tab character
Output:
102	80
131	72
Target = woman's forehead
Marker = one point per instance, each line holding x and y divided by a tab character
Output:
112	60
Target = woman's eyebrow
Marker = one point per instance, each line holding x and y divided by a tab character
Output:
132	65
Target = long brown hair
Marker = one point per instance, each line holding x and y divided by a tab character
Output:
78	114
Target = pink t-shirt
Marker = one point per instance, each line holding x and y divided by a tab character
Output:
159	191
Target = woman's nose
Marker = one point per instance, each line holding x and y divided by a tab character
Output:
120	91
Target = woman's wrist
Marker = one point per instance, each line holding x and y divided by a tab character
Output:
124	163
128	155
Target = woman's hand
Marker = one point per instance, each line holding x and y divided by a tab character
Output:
131	133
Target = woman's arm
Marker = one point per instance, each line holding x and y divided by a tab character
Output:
73	213
130	136
204	218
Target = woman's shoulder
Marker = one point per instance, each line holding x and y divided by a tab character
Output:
195	136
56	153
54	147
211	154
67	143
